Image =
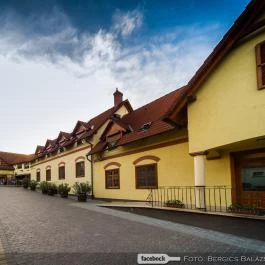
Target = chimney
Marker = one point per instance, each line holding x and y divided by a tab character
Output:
117	97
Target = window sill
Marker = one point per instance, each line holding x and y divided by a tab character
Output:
79	176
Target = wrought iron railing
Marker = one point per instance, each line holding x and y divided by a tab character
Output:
206	198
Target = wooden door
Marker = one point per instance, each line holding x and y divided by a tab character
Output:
250	174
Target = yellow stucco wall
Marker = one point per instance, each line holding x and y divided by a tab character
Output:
174	168
6	172
69	158
229	107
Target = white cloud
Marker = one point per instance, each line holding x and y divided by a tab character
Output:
50	80
126	23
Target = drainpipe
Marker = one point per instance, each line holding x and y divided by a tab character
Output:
92	170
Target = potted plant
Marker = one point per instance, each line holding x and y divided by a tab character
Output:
33	184
51	189
25	183
82	190
63	190
175	204
44	187
243	209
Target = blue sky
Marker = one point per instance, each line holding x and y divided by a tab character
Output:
60	61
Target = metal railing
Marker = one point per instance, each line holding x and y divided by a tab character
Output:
206	198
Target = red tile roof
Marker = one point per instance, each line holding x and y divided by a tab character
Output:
151	114
91	127
13	158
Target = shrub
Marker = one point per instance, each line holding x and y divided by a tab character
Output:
63	190
52	188
33	184
25	183
81	190
44	187
175	203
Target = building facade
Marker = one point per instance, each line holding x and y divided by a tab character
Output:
202	144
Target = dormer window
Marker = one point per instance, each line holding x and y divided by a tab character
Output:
116	116
260	60
145	126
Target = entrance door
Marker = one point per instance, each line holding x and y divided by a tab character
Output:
250	174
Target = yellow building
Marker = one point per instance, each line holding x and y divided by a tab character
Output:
146	155
64	160
14	167
200	146
226	111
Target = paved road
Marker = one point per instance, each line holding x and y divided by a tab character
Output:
39	229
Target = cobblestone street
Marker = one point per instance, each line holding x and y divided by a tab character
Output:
39	229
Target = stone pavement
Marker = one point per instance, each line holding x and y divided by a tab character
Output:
39	229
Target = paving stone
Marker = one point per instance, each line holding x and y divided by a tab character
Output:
40	229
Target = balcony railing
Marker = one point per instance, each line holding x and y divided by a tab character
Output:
206	198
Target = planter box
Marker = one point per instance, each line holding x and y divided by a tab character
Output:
64	195
51	192
82	197
244	211
174	205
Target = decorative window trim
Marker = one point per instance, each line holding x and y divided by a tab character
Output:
156	177
112	164
61	164
112	187
81	158
260	66
147	157
48	167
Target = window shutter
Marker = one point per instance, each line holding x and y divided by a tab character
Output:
260	59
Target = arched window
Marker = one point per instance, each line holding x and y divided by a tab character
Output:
146	172
61	170
48	173
80	167
38	175
112	175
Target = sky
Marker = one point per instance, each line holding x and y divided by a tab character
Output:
61	60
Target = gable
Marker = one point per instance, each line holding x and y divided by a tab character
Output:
248	22
229	106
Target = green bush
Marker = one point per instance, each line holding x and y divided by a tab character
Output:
44	187
63	190
82	188
25	183
33	184
175	203
52	188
